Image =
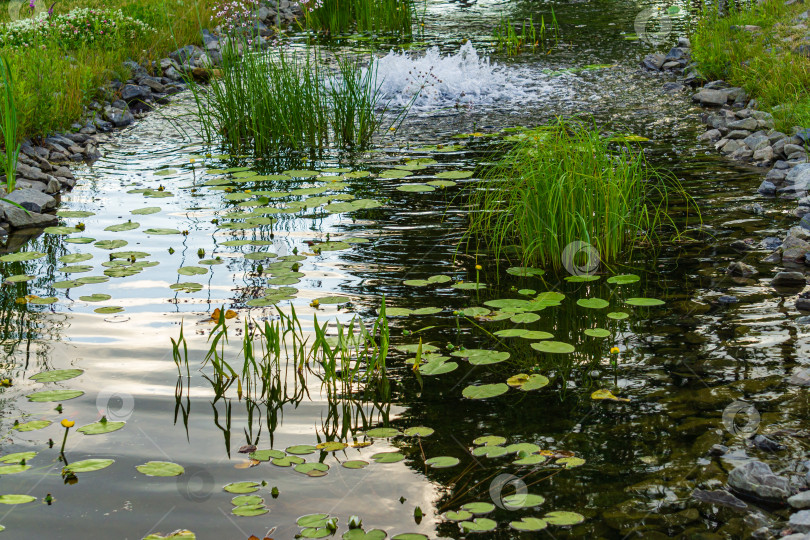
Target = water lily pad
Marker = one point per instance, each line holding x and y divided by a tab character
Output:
581	279
416	188
79	240
525	271
461	515
475	312
442	462
182	534
16	499
89	465
555	347
19	278
355	464
312	532
489	451
43	301
607	395
478	525
242	487
161	231
437	367
75	257
441	183
531	459
14	469
512	332
55	375
409	536
22	256
485	391
570	462
192	271
419	431
90	280
478	508
267	455
97	297
66	284
242	500
75	213
529	524
108	310
301	449
388	457
525	318
312	469
527	382
416	282
523	500
187	287
331	446
383	432
454	175
160	468
60	230
644	302
146	211
54	395
249	510
618	315
99	428
593	303
623	279
110	244
17	457
597	332
490	439
120	227
298	173
563	518
76	269
469	286
33	425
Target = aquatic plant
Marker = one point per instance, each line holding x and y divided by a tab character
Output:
274	100
565	183
377	16
9	125
512	42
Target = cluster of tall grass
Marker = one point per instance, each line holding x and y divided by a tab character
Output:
273	100
9	126
565	183
511	41
275	354
54	83
762	61
376	16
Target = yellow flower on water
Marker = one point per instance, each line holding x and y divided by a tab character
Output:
191	160
68	423
248	191
478	267
614	350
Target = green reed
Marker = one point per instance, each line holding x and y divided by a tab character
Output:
565	183
269	101
511	41
9	126
376	16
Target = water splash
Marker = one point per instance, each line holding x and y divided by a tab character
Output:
435	81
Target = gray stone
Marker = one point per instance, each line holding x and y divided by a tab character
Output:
800	521
738	268
711	135
719	497
793	148
742	154
763	154
132	92
32	200
755	479
767	188
802	377
800	501
749	124
172	74
732	146
20	219
726	299
718	450
183	54
789	279
121	118
738	134
32	173
756	141
794	249
776	175
153	84
711	97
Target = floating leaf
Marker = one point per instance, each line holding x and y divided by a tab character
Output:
160	468
162	231
531	459
442	462
512	332
437	367
242	487
419	431
525	318
16	499
19	278
593	303
563	518
478	525
22	256
581	279
242	500
312	469
183	534
250	510
527	382
596	332
97	297
644	302
33	425
555	347
478	508
461	515
383	432
60	230
570	462
331	446
410	536
488	450
529	524
13	469
484	391
54	395
120	227
523	500
454	175
475	312
75	257
146	211
17	457
79	240
623	279
416	188
192	271
89	465
618	315
110	244
99	428
267	455
43	301
604	394
301	449
441	183
490	439
55	375
75	213
388	457
109	310
355	464
524	271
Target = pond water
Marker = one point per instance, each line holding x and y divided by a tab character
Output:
681	364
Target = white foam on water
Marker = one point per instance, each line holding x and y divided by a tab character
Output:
465	78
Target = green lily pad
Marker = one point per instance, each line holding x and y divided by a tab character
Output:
475	312
19	278
409	536
525	318
16	499
581	279
494	440
442	462
17	457
593	303
597	332
355	464
454	175
469	286
120	227
523	500
484	391
419	431
60	230
99	428
75	258
54	395
243	500
623	279
110	244
527	383
97	297
437	367
146	211
287	461
618	315
644	302
250	510
22	256
461	515
301	449
298	173
489	451
160	468
75	213
312	469
482	357
76	269
529	524
44	301
55	375
79	240
388	457
555	347
89	465
242	487
161	231
570	462
90	280
563	518
416	188
441	183
478	508
267	455
33	425
478	525
192	271
14	469
109	310
525	271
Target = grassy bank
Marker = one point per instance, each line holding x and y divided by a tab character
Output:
55	75
757	47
